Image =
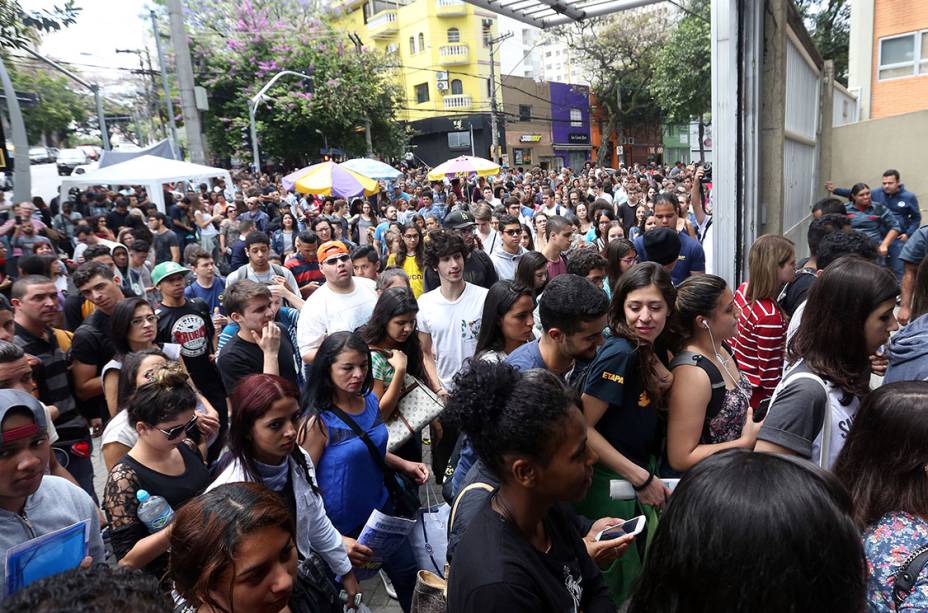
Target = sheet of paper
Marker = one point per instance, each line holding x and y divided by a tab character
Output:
384	534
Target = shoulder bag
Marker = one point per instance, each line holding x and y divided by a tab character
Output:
907	575
402	490
416	408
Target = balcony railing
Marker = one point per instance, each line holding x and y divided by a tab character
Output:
450	8
454	54
457	102
382	25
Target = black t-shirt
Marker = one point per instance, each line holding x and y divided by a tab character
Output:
191	327
496	569
93	344
631	423
797	291
478	269
239	358
116	220
628	216
162	244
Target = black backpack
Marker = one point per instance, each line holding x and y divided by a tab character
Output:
715	380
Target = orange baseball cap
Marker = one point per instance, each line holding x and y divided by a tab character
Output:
330	248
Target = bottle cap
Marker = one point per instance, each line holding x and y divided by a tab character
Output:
142	495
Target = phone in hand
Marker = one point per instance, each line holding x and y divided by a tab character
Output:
632	526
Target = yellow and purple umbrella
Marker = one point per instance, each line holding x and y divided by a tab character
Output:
330	179
464	166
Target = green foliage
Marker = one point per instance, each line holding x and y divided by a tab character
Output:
828	21
59	105
682	84
620	55
266	37
20	28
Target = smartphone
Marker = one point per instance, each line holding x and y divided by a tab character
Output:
632	526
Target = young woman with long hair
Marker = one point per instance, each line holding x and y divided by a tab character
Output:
602	217
411	257
263	448
584	221
282	241
761	340
539	229
622	396
163	462
351	480
528	243
800	543
884	465
620	255
507	321
709	405
532	271
366	218
234	549
810	418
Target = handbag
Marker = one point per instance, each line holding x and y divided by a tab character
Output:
429	537
907	574
417	407
314	590
403	491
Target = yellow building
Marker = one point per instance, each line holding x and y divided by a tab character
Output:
442	63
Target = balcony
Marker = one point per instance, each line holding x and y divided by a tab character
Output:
450	55
450	8
457	102
382	25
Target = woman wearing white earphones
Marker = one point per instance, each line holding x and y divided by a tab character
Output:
709	405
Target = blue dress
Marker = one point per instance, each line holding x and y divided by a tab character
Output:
351	482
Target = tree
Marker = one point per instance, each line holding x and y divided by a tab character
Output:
620	54
682	84
262	39
828	21
20	28
59	108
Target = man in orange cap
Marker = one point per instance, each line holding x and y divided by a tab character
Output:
344	302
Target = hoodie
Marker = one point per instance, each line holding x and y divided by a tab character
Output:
908	353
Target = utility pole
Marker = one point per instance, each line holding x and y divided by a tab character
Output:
147	93
494	109
183	67
367	120
22	177
175	148
154	96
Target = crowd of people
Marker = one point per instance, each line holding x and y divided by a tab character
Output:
241	355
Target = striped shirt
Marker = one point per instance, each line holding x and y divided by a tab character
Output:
761	341
54	387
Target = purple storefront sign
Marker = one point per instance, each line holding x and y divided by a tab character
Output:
570	123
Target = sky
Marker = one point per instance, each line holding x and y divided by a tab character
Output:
101	27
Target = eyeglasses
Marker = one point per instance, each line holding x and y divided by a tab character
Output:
172	433
139	321
410	237
513	232
633	260
339	258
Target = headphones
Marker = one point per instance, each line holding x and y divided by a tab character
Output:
705	324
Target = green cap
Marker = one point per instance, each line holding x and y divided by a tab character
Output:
165	269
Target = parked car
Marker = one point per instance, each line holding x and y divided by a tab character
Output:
85	168
69	159
39	155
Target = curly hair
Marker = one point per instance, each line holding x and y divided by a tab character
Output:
442	244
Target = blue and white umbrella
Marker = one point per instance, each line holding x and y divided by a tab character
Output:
375	169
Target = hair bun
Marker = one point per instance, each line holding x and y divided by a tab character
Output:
172	374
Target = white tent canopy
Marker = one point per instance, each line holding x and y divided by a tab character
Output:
148	171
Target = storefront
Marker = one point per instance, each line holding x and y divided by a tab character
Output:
530	149
570	124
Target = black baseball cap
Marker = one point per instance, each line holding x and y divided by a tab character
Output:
459	220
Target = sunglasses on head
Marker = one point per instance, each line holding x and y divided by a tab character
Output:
172	433
336	259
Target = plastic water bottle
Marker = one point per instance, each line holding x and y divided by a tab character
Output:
154	511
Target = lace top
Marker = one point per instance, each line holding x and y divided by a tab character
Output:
121	506
729	421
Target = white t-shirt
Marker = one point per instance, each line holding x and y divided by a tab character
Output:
325	312
453	326
118	430
208	229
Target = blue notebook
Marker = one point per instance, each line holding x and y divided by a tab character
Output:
46	555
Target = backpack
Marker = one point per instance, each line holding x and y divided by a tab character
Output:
716	381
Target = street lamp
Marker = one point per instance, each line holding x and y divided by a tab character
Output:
254	107
325	141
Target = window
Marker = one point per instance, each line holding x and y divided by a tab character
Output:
525	112
458	140
457	88
422	93
421	41
454	35
412	45
547	54
903	56
576	118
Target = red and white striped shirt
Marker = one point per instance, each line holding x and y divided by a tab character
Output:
760	343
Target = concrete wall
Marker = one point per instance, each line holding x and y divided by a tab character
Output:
862	151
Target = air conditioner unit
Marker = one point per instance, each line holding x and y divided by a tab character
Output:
441	85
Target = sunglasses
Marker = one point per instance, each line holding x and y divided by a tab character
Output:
172	433
340	258
513	232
